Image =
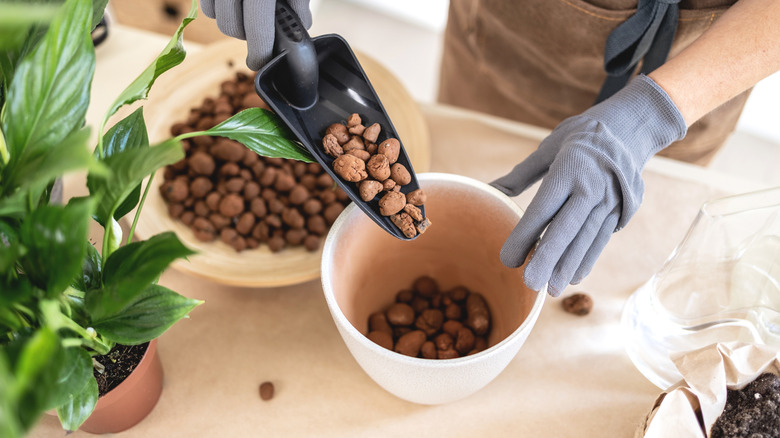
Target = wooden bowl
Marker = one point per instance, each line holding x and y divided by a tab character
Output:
185	87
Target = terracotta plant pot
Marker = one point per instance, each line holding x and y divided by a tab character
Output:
130	402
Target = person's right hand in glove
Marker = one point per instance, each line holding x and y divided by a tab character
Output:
591	164
253	21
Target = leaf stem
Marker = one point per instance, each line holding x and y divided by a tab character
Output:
71	342
75	293
106	237
100	137
96	343
112	236
65	300
100	345
22	309
190	135
88	337
4	156
140	207
23	314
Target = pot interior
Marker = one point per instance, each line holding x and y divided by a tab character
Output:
470	222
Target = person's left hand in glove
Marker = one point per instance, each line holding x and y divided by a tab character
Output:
253	21
591	164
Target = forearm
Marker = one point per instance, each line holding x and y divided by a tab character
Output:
740	49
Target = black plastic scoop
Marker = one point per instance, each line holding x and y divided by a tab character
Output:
312	83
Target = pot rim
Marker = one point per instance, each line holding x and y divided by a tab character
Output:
137	374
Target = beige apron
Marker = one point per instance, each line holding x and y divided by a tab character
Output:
540	61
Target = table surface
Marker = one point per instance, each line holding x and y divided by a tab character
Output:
572	378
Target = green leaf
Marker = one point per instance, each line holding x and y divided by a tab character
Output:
79	407
33	356
49	93
128	133
35	361
14	205
129	270
17	18
23	40
263	132
9	59
98	9
10	321
9	422
56	240
38	169
171	56
15	290
128	169
146	317
91	271
73	375
10	248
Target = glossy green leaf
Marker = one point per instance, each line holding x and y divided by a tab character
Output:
56	240
128	168
79	407
73	374
9	59
38	169
48	96
128	133
146	317
129	270
263	132
171	56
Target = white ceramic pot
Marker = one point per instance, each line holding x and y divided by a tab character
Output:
363	268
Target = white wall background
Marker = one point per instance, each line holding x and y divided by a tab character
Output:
430	14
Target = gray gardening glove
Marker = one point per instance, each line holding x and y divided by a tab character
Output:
253	21
591	164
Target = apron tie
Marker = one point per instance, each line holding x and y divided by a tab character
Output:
646	35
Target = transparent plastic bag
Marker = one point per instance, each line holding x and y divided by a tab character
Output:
721	284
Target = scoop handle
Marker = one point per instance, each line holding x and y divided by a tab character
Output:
299	86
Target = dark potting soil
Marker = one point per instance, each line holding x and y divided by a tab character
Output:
752	412
118	363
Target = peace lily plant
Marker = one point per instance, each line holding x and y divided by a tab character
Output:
63	300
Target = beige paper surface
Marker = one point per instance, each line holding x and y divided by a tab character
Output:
707	373
572	377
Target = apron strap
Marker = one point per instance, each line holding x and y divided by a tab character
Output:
647	35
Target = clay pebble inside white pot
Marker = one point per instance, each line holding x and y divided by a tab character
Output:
363	267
